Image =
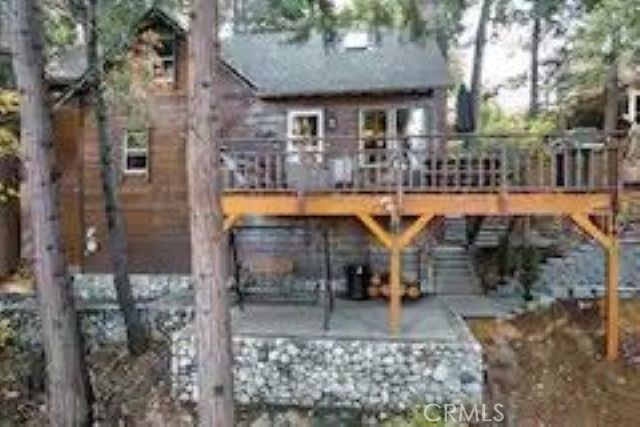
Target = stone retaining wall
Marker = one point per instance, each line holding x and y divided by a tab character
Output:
302	371
580	273
99	287
363	374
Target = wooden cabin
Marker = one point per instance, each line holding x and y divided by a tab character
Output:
275	91
346	134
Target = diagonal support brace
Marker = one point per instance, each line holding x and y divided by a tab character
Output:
395	243
612	298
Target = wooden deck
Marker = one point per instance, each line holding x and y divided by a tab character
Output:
427	177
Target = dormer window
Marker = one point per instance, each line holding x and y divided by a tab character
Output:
165	64
357	40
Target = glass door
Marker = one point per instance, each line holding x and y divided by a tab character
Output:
304	135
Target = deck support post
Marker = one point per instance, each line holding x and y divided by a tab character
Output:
395	242
395	287
611	301
612	308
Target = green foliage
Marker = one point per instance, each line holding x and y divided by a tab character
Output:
60	30
9	108
529	269
6	333
495	120
9	144
416	418
442	21
609	31
7	193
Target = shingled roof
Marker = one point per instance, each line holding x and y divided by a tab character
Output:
277	66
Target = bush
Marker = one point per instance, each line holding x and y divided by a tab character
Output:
530	262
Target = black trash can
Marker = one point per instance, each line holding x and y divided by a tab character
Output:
358	278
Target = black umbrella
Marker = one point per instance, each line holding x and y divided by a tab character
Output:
464	111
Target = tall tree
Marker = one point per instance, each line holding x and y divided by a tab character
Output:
208	246
69	395
612	82
137	337
534	82
605	42
478	59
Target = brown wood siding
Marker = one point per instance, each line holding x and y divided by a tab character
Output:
156	205
67	129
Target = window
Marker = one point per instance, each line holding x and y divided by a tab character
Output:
633	106
165	64
381	129
136	152
374	133
305	133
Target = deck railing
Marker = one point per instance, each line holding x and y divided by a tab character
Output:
435	163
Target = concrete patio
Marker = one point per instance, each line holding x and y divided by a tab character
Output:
283	356
426	319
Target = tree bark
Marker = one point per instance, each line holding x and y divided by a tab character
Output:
612	86
534	90
478	60
68	389
208	243
137	336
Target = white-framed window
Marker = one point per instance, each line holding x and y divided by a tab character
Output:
305	133
634	106
135	156
381	129
374	131
164	67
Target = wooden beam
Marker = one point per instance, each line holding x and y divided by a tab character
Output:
588	226
381	234
410	233
345	204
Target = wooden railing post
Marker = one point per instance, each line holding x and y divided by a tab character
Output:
504	171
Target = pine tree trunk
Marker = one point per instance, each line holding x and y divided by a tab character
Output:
208	243
612	86
68	388
534	83
137	336
478	60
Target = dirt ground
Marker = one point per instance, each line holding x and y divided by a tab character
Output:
547	367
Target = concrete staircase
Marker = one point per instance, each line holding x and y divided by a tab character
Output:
455	230
452	268
491	232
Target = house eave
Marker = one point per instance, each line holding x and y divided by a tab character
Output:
268	95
